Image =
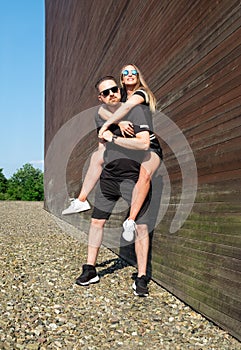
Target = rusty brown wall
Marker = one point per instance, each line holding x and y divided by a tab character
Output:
190	54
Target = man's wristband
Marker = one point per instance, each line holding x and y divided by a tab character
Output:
114	137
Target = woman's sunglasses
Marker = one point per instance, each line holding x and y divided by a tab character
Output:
126	72
106	92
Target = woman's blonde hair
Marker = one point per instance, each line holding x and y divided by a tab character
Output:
141	85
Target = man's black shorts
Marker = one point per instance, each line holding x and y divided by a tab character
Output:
107	194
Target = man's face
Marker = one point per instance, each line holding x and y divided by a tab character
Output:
109	93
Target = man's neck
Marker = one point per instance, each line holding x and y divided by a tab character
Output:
112	109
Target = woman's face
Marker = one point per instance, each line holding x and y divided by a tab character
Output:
129	75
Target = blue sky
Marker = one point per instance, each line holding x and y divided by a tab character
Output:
21	84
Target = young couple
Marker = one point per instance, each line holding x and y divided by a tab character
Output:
126	151
134	91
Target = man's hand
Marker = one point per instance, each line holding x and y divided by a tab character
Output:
107	135
103	129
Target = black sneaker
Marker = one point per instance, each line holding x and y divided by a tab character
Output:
89	275
140	286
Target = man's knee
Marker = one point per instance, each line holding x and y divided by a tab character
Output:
142	230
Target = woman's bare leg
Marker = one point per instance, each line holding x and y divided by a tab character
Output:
148	168
93	174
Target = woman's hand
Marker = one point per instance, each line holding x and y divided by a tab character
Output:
126	128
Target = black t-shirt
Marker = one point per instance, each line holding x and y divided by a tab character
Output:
141	92
154	143
145	105
119	162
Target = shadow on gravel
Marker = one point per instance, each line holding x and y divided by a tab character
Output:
116	264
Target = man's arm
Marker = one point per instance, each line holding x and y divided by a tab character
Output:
140	143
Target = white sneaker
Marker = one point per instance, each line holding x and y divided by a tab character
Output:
76	206
129	230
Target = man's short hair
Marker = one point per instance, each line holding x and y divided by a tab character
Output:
107	77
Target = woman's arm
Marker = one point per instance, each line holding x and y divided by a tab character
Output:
104	113
133	101
140	143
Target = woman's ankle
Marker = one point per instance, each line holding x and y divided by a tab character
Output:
82	199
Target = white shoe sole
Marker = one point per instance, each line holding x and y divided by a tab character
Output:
128	236
75	212
93	280
129	231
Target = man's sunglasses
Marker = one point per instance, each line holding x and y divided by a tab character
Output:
126	72
106	92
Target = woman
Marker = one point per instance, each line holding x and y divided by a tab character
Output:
135	91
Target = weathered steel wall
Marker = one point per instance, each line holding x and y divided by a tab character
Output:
190	54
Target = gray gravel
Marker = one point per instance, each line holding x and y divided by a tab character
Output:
42	308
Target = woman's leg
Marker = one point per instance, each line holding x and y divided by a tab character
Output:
93	174
148	168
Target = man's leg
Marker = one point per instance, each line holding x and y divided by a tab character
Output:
105	199
142	248
89	274
95	239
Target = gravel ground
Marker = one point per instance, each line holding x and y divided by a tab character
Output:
41	307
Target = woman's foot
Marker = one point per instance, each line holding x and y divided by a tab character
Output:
76	206
129	230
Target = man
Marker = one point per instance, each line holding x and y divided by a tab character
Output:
122	159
